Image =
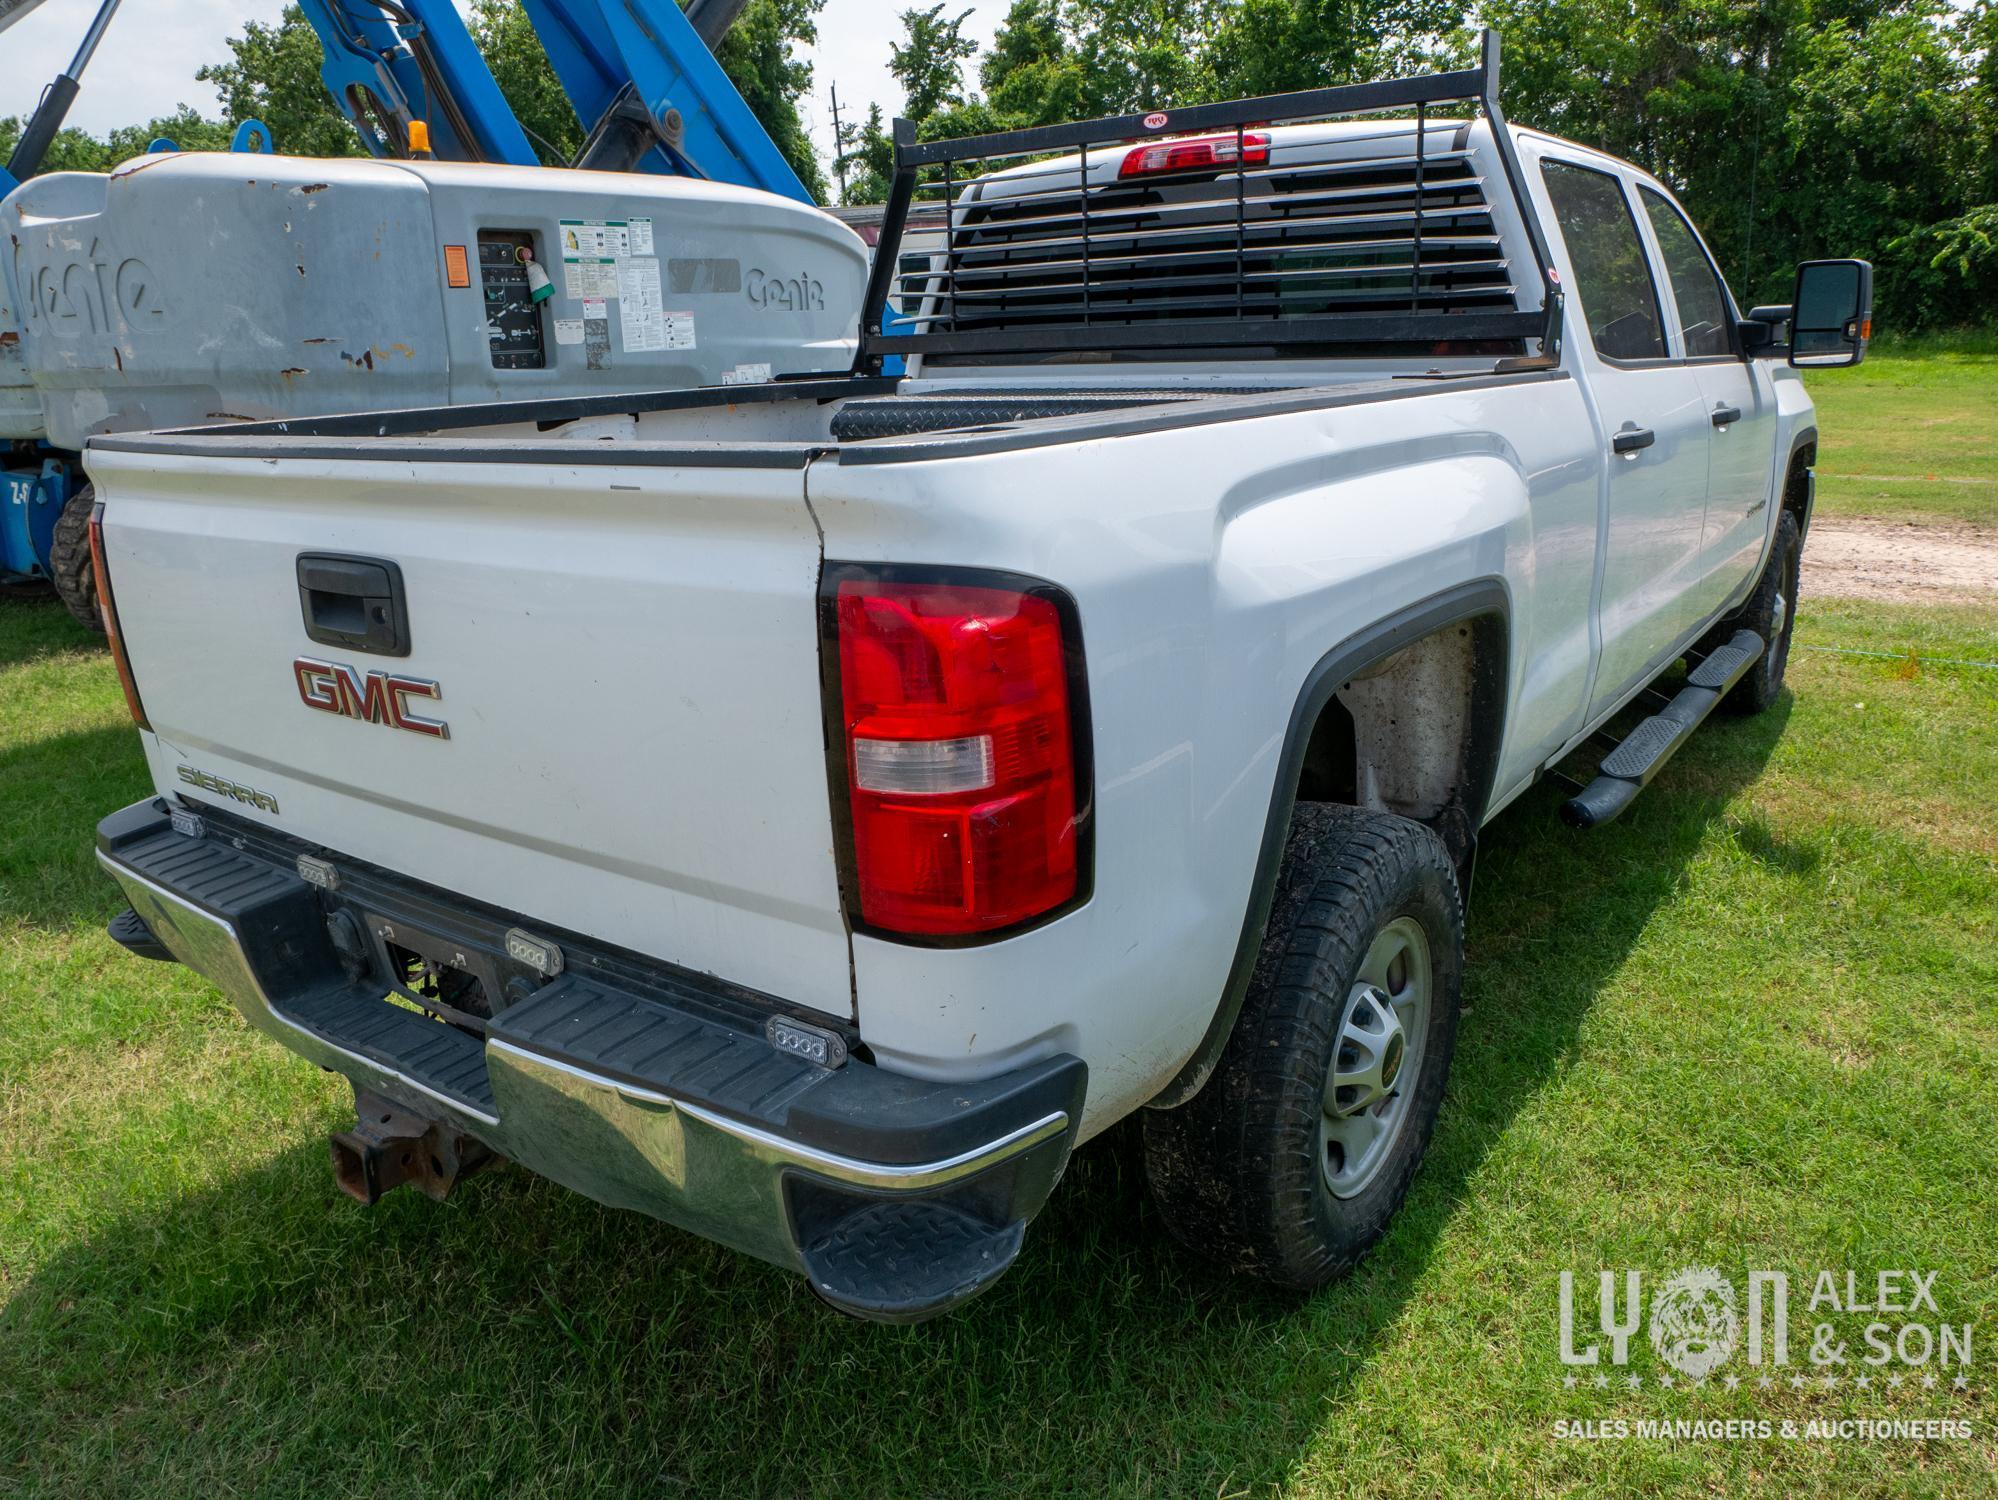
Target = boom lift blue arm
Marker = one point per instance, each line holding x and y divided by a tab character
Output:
26	158
641	76
388	64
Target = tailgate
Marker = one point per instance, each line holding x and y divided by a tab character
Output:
626	658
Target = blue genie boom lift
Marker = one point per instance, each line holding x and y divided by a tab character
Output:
640	73
678	248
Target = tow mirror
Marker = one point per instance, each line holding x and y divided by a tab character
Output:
1832	315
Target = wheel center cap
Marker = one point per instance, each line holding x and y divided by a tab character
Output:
1368	1058
1396	1050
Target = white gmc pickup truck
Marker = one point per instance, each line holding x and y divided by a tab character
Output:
804	812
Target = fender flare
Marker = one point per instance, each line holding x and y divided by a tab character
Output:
1802	438
1466	601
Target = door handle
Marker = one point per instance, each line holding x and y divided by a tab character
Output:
353	602
1633	438
1726	414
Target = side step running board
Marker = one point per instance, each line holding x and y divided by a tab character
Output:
1628	769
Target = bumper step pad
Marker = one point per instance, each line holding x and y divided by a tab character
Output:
129	931
901	1262
662	1050
1642	753
441	1058
275	913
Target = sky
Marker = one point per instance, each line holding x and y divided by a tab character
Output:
147	62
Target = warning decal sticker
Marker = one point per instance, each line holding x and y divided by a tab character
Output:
591	249
596	334
606	259
639	305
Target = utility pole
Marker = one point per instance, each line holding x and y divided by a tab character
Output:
839	145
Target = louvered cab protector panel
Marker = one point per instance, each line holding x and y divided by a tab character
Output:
1337	222
1288	221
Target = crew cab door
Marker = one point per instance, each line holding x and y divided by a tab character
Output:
1653	420
1741	405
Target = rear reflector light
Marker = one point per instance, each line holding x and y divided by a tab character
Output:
1208	153
101	576
959	732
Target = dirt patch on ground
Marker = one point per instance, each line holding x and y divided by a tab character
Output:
1900	562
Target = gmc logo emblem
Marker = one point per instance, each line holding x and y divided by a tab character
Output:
376	698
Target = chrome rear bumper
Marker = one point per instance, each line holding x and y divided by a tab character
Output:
899	1199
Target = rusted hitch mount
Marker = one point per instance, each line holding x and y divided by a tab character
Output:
389	1146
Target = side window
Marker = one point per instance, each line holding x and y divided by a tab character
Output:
1703	314
1613	278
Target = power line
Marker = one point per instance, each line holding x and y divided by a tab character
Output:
839	144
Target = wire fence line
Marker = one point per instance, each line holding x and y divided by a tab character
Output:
1939	661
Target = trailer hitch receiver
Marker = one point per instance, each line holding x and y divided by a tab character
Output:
389	1146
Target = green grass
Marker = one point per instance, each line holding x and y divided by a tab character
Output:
1912	433
1753	1024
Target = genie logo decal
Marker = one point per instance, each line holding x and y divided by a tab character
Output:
79	291
374	698
801	293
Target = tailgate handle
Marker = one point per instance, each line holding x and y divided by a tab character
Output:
353	602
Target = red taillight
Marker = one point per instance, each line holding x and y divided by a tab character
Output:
1206	153
101	576
959	737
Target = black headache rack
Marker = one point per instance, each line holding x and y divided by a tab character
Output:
1249	239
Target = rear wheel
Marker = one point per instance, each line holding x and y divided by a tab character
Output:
1771	612
1289	1163
69	560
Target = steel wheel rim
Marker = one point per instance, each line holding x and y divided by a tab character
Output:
1377	1057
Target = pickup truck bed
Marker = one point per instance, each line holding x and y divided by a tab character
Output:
805	418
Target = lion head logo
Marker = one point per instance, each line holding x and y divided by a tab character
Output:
1693	1321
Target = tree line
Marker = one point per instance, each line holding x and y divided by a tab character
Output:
1790	128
